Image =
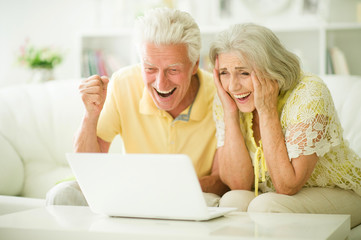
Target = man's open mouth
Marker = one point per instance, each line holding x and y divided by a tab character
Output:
165	94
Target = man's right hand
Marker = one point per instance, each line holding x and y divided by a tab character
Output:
93	91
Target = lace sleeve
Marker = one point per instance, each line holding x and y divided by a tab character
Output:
310	121
218	118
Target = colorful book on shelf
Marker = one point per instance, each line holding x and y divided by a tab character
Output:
102	71
98	62
339	62
92	63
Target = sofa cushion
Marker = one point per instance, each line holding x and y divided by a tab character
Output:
346	93
11	169
39	122
37	126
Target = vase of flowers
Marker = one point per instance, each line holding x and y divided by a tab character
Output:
41	75
40	60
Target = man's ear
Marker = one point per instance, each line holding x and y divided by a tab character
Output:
195	68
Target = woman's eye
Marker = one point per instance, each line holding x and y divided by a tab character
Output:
245	73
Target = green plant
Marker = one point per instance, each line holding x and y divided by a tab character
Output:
35	57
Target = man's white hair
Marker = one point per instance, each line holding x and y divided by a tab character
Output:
165	26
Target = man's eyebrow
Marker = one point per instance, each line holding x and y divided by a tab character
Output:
148	63
171	65
175	64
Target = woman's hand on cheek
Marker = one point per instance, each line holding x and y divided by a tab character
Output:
265	93
229	106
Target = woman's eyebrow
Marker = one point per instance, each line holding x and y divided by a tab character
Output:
240	68
237	68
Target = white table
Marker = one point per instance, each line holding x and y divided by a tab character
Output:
69	222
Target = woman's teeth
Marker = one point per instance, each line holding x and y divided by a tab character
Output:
242	95
165	93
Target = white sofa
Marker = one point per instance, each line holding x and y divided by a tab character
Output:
38	122
37	125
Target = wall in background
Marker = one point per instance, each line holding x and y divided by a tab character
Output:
44	23
59	23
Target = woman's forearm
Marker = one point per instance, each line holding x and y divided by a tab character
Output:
281	169
235	165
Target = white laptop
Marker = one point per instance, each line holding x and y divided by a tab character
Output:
161	186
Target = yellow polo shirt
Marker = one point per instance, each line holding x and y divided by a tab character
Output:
130	111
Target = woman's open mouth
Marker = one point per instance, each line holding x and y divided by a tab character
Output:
165	94
242	97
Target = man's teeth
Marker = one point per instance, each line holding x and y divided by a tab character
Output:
242	95
165	92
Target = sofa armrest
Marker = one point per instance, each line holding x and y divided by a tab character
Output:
11	204
11	169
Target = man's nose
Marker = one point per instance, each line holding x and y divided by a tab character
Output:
161	80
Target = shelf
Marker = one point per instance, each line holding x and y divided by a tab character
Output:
309	41
343	26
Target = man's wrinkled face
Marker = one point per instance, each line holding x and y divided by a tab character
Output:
167	73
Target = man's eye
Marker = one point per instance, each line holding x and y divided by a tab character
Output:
173	71
245	73
149	70
222	73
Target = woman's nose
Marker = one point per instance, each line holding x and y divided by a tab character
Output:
234	84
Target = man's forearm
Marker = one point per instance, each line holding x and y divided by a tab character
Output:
86	138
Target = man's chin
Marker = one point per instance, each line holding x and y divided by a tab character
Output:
164	107
166	104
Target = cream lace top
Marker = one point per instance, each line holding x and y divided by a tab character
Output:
310	125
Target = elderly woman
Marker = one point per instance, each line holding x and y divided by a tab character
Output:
280	143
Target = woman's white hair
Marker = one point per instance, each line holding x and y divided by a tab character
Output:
260	49
165	26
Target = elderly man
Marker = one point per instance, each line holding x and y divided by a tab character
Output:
163	105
